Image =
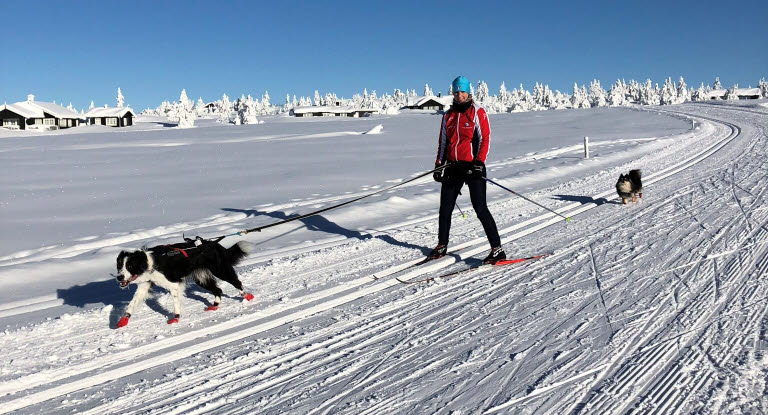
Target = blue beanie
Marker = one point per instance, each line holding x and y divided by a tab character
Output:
460	84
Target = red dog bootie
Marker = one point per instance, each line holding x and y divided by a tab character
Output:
248	296
213	307
123	321
175	319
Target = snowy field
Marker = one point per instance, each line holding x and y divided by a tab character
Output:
655	307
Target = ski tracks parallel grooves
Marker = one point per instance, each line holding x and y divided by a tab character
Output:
391	328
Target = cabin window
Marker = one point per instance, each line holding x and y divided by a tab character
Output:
49	121
10	122
112	122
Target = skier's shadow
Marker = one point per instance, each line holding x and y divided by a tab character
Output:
584	200
321	224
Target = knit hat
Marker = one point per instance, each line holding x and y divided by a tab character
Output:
460	84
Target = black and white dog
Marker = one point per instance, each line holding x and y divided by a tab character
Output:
169	266
629	186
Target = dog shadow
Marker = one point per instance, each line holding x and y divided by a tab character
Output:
584	200
321	224
108	293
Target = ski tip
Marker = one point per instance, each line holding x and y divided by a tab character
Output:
568	219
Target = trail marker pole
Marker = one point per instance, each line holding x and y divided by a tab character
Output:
586	147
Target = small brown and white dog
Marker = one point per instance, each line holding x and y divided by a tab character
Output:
629	186
169	266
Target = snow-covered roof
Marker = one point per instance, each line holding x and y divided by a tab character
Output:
109	112
717	93
329	109
54	109
24	110
748	91
420	100
720	93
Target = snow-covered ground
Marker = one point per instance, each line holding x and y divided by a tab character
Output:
654	307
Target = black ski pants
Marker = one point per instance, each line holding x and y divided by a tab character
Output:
448	195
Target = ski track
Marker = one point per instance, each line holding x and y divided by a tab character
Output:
656	307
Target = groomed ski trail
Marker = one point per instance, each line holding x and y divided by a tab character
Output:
488	327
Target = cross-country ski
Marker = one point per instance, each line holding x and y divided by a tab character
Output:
480	266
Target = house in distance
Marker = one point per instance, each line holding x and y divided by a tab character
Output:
31	114
110	116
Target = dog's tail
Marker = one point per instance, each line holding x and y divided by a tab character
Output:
634	175
239	251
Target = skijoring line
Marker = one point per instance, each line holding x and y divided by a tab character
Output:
259	228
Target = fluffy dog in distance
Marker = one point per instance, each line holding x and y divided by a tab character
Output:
629	186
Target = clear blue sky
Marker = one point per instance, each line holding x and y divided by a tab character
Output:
78	51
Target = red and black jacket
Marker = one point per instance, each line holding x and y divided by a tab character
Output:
464	136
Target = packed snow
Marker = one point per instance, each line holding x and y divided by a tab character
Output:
655	307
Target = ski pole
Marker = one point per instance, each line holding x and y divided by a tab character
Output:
460	211
567	218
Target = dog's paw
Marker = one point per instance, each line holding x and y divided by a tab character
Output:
123	322
212	307
174	320
247	296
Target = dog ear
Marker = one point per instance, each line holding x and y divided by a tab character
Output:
120	257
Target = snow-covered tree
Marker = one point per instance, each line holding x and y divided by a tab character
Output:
120	98
683	95
183	111
596	94
648	94
579	98
549	98
562	101
633	91
91	106
318	102
200	109
503	96
700	94
731	94
265	103
763	88
247	109
717	83
617	95
225	109
482	94
427	90
668	93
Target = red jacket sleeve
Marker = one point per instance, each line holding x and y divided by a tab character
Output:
442	143
485	134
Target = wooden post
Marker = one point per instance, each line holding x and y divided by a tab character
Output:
586	147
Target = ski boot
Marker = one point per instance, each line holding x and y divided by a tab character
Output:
438	252
497	254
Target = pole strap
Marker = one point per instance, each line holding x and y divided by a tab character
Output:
567	218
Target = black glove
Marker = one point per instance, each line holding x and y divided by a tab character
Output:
477	171
438	175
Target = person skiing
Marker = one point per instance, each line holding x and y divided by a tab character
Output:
463	145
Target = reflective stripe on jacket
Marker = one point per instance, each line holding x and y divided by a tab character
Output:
464	136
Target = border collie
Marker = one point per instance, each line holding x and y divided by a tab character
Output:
169	266
629	186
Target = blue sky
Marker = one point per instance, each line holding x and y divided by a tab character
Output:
78	51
